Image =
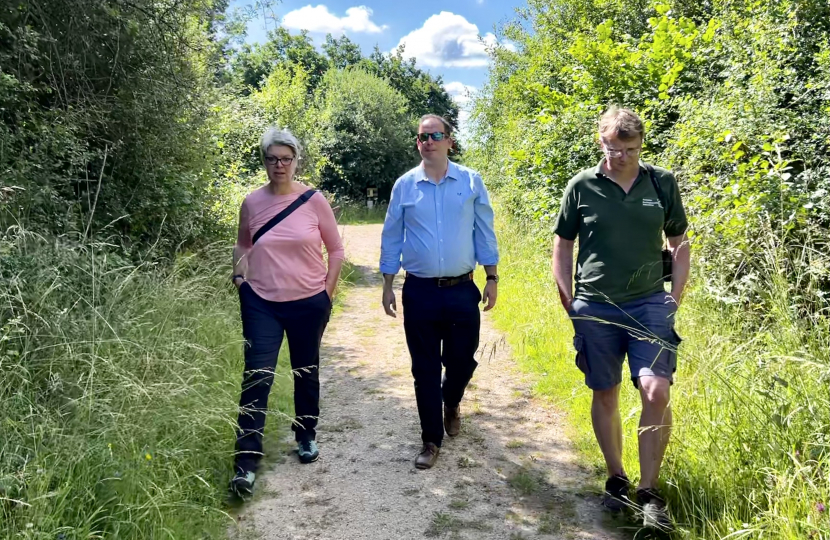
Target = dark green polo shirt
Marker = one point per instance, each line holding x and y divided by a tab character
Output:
620	235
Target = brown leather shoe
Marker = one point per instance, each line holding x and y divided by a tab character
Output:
428	456
452	420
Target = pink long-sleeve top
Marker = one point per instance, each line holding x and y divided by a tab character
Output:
286	263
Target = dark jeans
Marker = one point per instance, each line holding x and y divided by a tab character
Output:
442	328
263	325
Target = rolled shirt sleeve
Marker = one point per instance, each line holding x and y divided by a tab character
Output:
484	234
391	243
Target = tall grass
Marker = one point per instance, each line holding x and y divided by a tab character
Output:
119	386
750	452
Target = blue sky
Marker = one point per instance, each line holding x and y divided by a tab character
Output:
442	36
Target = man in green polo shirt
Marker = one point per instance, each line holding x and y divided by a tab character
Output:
619	211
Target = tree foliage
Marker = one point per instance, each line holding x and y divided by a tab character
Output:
424	93
103	112
734	95
364	137
357	136
139	119
252	64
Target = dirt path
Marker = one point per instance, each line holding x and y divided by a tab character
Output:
510	474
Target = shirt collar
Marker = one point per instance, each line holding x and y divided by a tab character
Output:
452	172
598	172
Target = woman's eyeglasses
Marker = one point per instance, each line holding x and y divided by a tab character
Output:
284	161
437	136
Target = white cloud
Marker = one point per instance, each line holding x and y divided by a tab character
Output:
320	19
448	40
462	94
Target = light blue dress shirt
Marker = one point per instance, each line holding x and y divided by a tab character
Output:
438	230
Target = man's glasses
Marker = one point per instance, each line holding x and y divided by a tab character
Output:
284	161
611	152
437	136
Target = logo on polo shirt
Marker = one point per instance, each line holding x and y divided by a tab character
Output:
652	203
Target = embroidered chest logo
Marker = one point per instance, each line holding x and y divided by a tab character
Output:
654	203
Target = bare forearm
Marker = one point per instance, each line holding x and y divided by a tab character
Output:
681	266
491	269
388	279
563	263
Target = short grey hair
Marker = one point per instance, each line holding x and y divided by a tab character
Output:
279	137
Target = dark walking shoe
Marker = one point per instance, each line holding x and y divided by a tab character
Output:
655	513
307	450
242	484
452	420
428	456
616	497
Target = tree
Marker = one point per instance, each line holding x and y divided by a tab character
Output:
342	52
424	93
253	63
363	134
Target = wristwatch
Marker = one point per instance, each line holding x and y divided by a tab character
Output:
493	278
233	279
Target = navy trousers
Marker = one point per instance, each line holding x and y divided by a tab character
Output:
263	325
442	326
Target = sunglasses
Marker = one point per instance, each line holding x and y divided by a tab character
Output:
437	136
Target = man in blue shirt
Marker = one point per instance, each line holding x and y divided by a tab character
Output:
438	226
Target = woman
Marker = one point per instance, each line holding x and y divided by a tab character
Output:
284	287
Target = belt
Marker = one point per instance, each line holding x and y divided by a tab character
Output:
445	281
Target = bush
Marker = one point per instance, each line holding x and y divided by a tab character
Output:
104	108
363	136
735	100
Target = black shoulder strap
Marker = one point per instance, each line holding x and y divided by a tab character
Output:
301	200
660	195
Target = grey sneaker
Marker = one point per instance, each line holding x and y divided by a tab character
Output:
307	450
655	513
242	484
616	497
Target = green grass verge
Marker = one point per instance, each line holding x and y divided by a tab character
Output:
360	215
118	390
750	452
